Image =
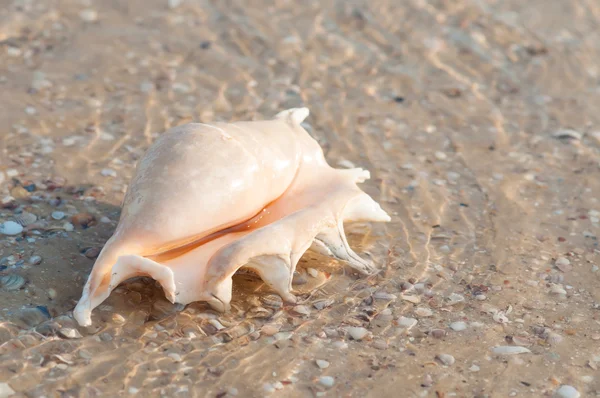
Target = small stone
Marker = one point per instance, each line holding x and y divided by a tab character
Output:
423	312
30	110
380	344
6	390
556	289
92	252
88	15
458	326
327	381
510	350
312	272
357	333
70	333
301	310
51	293
474	368
108	173
83	220
68	227
438	333
10	228
407	323
35	260
58	215
594	268
566	391
446	359
104	220
323	303
563	264
174	356
174	3
322	364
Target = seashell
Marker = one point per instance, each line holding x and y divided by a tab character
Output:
272	301
12	282
26	218
266	195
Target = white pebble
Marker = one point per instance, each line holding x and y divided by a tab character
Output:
327	381
312	272
10	228
440	155
446	359
58	215
357	333
108	173
174	3
104	219
88	15
407	323
556	289
509	350
35	260
30	110
322	364
68	227
566	391
423	312
474	368
6	390
458	326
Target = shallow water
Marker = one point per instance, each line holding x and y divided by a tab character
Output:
459	109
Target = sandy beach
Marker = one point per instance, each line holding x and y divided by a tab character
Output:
479	123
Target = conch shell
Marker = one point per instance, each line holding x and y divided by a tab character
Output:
207	200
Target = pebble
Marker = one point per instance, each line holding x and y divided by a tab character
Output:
108	173
563	264
357	333
70	333
566	391
104	220
174	3
12	282
322	364
407	323
92	252
88	15
510	350
6	390
10	228
51	293
68	227
323	303
312	272
445	359
556	289
474	368
58	215
458	326
301	310
438	333
327	381
423	312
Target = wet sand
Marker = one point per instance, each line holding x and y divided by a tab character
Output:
478	121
